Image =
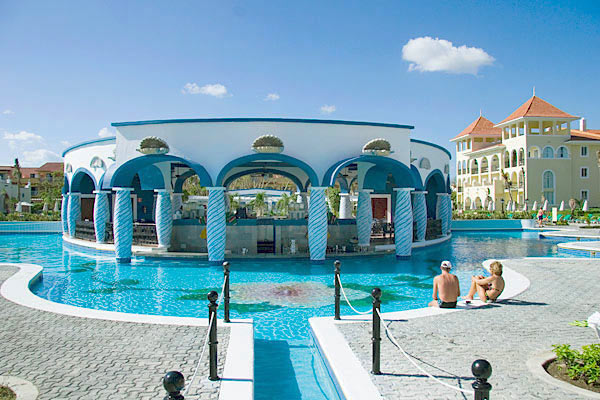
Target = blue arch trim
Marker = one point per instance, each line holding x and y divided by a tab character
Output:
312	176
178	188
77	178
151	178
352	182
76	146
292	177
438	185
333	171
66	186
343	183
296	120
416	177
437	146
123	175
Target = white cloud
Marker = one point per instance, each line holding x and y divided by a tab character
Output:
105	132
21	138
327	109
272	97
427	54
65	143
216	89
39	157
7	112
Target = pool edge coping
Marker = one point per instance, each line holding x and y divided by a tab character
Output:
237	380
349	376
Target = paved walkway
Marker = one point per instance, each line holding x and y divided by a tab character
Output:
506	334
78	358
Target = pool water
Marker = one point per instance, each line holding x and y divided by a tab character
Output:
279	295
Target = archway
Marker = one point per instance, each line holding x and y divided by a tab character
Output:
434	184
84	182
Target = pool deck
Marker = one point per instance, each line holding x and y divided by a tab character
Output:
76	353
508	334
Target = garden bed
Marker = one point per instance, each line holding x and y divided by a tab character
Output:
557	369
7	394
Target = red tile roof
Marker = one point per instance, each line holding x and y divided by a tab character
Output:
536	107
590	134
52	167
482	126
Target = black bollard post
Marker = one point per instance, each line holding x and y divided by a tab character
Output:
481	370
212	336
336	278
174	383
226	292
376	339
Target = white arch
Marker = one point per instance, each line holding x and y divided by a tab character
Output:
534	152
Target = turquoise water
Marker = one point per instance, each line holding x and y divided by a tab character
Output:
279	295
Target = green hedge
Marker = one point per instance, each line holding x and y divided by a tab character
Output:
51	216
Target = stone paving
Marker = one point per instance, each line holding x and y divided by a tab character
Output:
506	334
78	358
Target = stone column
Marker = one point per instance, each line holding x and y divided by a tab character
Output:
164	218
345	206
123	225
101	215
403	223
317	224
420	214
441	211
74	213
215	224
64	212
176	202
364	217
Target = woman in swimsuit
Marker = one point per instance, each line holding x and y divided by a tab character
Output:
488	288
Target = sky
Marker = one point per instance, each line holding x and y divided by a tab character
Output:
70	68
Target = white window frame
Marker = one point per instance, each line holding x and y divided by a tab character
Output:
558	152
544	150
587	193
587	153
587	172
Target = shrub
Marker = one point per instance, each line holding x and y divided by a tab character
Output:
377	144
267	141
152	142
584	364
51	216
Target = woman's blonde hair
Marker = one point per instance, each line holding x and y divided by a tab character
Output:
496	268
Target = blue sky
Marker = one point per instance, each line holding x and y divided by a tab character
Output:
68	69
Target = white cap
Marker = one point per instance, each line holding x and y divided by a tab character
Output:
446	264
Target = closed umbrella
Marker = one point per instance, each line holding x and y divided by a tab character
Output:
545	208
535	206
45	207
562	206
491	206
473	205
56	206
525	206
585	206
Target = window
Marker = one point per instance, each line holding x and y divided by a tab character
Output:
534	152
584	151
548	186
548	152
447	169
584	172
562	152
584	195
424	163
521	157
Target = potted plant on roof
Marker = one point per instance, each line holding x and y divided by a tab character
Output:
267	144
377	147
153	145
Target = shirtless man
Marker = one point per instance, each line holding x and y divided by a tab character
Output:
446	285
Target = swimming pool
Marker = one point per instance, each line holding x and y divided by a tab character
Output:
279	295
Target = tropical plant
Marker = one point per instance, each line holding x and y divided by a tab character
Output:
191	187
333	195
259	203
377	144
267	141
17	175
234	203
584	364
507	183
283	204
52	189
153	143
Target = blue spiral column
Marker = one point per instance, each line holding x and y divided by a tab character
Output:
449	213
420	214
364	217
64	213
215	224
317	224
101	215
164	218
403	223
123	225
74	213
441	211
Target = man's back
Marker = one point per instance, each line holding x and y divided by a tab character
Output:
448	287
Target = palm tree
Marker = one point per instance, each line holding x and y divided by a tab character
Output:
17	174
259	203
283	204
507	183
